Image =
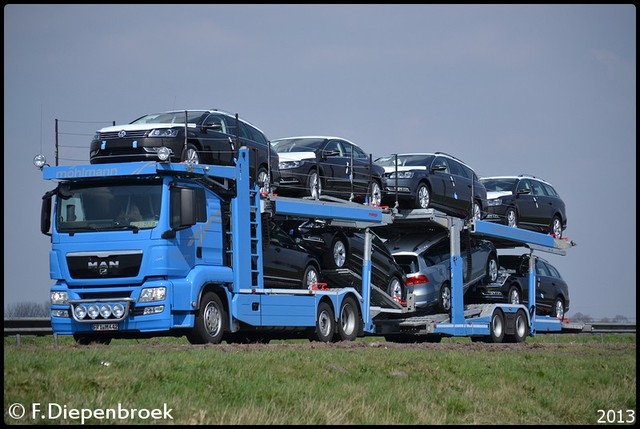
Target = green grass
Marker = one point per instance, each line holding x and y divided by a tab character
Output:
563	379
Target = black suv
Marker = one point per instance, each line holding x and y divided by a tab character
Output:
213	137
527	202
433	180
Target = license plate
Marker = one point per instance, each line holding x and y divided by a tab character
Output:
105	326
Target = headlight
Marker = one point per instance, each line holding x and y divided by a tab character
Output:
289	164
163	132
59	298
118	310
495	202
153	294
164	153
402	175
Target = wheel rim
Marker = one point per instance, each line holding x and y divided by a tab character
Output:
315	186
263	181
557	227
395	289
324	324
192	156
212	319
375	194
497	326
511	218
423	197
445	296
347	319
339	253
477	213
311	278
493	270
514	296
559	309
521	325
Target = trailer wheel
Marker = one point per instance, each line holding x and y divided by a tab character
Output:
349	320
210	321
496	328
521	327
325	323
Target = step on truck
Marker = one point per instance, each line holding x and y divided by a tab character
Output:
146	249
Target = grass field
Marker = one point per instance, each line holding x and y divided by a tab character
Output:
549	379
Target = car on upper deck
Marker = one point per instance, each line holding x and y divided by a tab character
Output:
212	137
527	202
433	180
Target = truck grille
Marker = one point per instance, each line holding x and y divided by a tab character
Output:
87	265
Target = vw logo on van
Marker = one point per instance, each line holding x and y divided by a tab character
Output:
122	134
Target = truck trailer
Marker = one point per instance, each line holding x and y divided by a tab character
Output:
146	249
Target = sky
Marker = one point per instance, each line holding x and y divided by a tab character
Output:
548	90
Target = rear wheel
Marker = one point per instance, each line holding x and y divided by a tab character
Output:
492	269
349	320
394	289
310	277
263	180
375	193
338	252
513	296
325	323
556	227
521	327
558	308
445	297
477	211
496	328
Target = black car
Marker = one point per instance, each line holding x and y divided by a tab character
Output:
526	202
340	251
316	165
552	292
213	137
433	180
286	264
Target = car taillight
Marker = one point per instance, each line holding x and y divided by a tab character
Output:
417	279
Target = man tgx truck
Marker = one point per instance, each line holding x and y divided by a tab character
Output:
143	249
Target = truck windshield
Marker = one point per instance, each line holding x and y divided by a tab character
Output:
112	206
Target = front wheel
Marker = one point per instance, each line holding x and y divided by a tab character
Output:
190	154
210	321
492	269
314	185
511	218
338	253
477	211
263	180
423	197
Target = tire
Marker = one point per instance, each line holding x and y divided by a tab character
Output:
445	298
339	253
325	323
496	327
513	296
210	322
310	277
349	320
558	308
477	211
375	193
423	197
190	154
262	180
556	227
394	289
521	327
88	340
313	179
511	218
492	269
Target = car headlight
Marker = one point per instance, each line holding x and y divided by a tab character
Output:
163	132
402	175
153	294
495	202
289	164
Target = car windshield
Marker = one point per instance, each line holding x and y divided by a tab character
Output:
297	145
416	160
498	185
176	117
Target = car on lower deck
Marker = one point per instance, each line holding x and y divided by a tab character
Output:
552	291
425	257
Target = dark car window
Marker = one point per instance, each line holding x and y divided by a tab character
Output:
442	161
523	185
456	168
549	190
541	269
216	123
537	188
359	153
347	149
334	146
436	253
553	272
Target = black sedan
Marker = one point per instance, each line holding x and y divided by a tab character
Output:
525	202
341	250
433	180
552	292
287	264
317	165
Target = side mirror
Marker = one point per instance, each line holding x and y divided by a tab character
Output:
183	208
330	153
439	167
523	191
216	126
